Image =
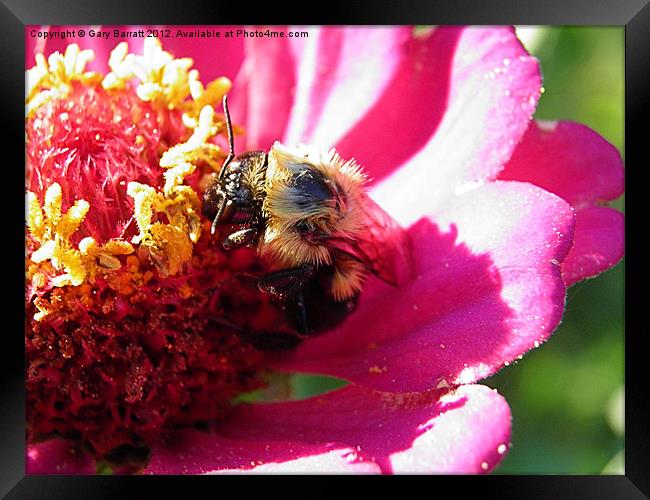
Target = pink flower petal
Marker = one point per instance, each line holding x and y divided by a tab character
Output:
351	430
493	86
488	288
408	113
351	85
194	452
341	73
263	91
574	162
57	456
570	160
598	244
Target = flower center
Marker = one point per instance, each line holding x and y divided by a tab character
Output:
123	359
137	320
92	143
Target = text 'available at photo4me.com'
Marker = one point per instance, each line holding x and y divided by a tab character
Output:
179	32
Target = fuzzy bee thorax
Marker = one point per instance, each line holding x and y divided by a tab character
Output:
308	193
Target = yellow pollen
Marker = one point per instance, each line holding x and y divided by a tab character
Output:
170	244
168	219
165	81
52	228
52	78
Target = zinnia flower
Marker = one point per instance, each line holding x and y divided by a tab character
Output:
130	298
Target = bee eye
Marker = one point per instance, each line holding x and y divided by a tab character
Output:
312	233
302	227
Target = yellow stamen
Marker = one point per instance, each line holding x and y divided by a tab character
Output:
170	244
53	229
165	81
204	96
197	148
53	78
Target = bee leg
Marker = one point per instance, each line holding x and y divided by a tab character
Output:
289	283
244	237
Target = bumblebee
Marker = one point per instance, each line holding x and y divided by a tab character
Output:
309	216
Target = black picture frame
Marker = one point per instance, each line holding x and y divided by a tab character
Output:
634	15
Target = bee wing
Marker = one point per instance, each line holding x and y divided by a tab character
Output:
383	246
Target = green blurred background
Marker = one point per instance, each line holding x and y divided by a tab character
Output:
567	396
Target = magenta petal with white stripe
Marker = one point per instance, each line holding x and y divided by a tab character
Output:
351	430
195	452
380	95
341	73
574	162
314	89
493	87
488	288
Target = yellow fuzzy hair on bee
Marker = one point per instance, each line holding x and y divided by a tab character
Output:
348	278
288	203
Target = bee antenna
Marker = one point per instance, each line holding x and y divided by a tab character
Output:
215	221
231	140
